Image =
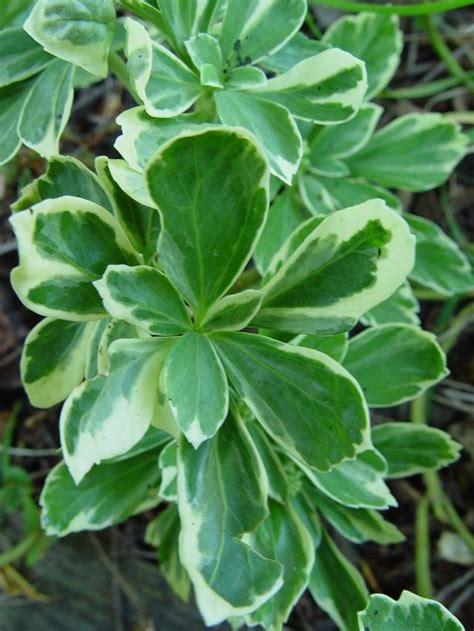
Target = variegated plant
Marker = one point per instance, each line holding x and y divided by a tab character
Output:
196	322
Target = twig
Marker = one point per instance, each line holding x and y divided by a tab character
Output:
399	9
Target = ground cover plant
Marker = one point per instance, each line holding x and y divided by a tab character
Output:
226	304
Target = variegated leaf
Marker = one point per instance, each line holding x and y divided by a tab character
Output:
271	123
283	537
233	312
327	88
20	56
229	577
196	386
407	613
53	362
400	307
369	246
357	483
143	297
374	38
300	397
168	466
78	31
47	108
411	448
337	586
415	152
64	245
109	494
440	263
107	416
211	189
165	84
413	356
253	29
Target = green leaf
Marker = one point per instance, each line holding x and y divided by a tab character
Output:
141	223
196	386
374	38
47	108
254	29
246	77
131	182
413	357
278	487
107	416
344	192
283	537
327	88
408	613
211	189
284	216
301	397
368	246
105	332
439	262
313	194
106	496
357	524
54	360
333	345
64	245
341	141
299	47
163	532
165	84
143	297
204	51
233	312
65	176
142	135
78	31
410	449
168	466
357	483
415	152
222	494
13	12
337	586
184	18
401	307
328	167
271	123
20	56
12	101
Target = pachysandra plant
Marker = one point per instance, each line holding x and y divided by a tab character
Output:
240	410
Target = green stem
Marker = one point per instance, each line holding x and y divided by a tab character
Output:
449	338
311	24
18	551
399	9
425	90
119	68
445	54
422	293
144	11
422	550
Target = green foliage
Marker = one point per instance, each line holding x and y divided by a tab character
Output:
198	312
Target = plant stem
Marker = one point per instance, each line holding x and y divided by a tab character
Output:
449	337
21	548
422	550
445	54
119	68
426	89
399	9
311	24
144	11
